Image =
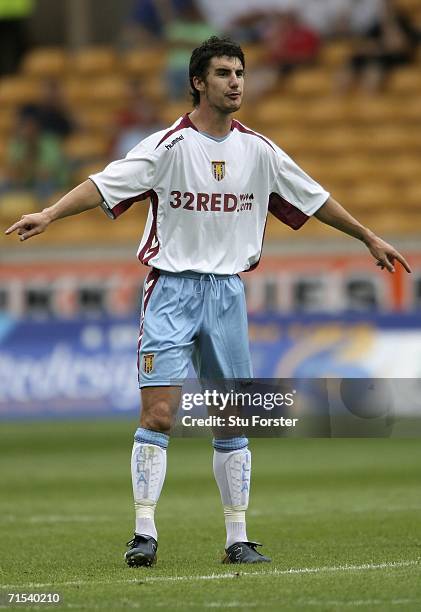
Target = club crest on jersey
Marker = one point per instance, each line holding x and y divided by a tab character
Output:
218	170
148	363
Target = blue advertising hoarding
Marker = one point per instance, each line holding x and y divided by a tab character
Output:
54	368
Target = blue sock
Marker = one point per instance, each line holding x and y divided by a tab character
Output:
226	445
147	436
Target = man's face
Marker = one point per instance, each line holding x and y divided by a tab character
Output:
223	86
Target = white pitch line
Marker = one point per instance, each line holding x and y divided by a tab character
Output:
288	572
54	518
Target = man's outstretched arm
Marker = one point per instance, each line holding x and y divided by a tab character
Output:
333	214
83	197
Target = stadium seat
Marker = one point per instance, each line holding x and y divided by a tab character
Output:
15	204
310	82
373	195
389	138
7	121
335	53
405	81
372	111
86	147
92	119
109	91
275	112
103	92
144	63
45	62
411	195
76	91
95	61
410	112
88	168
156	90
17	90
170	112
255	55
326	111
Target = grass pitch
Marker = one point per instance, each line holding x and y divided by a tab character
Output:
340	518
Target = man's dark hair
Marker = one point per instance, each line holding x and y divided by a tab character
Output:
201	57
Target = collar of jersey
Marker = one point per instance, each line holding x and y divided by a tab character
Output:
187	122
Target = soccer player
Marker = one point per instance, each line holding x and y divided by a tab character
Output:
211	182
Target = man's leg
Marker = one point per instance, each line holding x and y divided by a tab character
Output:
232	470
222	354
148	466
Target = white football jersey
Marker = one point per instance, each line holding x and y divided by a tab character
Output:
209	199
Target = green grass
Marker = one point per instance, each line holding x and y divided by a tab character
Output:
66	512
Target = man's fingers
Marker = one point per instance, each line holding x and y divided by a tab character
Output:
403	261
389	260
29	234
388	263
15	226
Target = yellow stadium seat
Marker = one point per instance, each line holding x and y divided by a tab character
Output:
144	62
335	53
85	147
405	81
95	61
103	92
373	195
172	111
45	62
276	112
310	82
18	90
411	196
373	110
89	168
91	118
389	139
15	204
109	90
7	121
255	55
326	110
76	91
410	111
156	90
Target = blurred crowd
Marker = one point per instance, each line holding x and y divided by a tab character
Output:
290	33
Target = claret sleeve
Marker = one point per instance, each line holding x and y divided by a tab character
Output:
126	181
295	196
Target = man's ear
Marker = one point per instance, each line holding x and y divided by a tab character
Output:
198	83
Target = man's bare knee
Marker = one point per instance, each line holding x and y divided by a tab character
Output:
159	407
157	417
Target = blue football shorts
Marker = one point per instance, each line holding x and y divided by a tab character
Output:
194	317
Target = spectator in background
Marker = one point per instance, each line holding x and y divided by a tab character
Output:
183	34
388	44
134	121
148	20
51	112
34	160
289	44
241	17
338	18
13	35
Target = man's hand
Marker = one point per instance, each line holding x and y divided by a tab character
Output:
333	214
83	197
385	254
30	225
